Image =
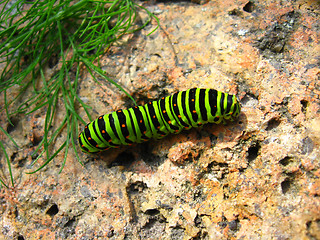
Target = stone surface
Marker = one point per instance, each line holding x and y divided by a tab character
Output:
257	178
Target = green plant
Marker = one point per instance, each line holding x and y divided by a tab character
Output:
77	33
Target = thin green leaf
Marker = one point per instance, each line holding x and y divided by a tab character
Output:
8	135
8	163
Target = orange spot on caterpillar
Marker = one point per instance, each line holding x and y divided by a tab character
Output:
192	99
86	126
89	138
97	145
119	111
140	121
154	116
179	116
128	136
194	111
103	131
123	125
174	105
100	117
169	122
109	140
164	111
158	127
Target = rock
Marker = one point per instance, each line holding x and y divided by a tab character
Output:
256	178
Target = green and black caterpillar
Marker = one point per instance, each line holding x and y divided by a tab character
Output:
156	119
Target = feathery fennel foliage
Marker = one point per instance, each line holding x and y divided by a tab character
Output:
77	33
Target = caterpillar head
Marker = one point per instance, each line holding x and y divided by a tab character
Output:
233	111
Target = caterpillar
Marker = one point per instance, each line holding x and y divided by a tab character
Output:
182	110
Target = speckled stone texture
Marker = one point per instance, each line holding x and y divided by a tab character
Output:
256	178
